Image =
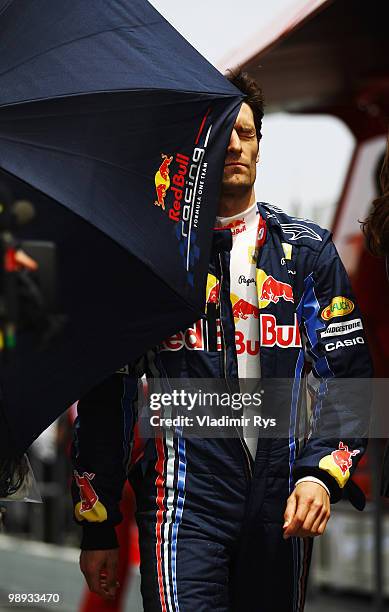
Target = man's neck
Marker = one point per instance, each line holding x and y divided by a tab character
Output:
230	204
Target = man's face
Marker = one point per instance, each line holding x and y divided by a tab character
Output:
242	154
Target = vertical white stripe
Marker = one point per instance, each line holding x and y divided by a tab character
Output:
169	510
301	569
207	137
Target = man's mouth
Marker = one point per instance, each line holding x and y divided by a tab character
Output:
229	164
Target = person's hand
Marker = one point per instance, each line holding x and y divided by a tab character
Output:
100	568
307	511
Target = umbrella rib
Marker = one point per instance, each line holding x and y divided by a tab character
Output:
64	96
73	40
100	92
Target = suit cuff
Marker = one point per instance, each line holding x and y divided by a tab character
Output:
99	537
316	480
329	481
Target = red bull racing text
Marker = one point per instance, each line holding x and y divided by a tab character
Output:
180	184
271	334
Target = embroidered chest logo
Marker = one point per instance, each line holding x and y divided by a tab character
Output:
271	290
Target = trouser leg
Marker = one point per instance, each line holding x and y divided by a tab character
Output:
270	573
189	514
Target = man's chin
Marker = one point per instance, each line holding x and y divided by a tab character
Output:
235	186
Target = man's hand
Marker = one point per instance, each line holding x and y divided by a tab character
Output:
307	511
100	569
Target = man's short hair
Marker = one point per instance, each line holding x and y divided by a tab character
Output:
253	93
376	226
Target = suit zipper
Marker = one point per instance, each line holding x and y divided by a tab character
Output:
242	441
247	455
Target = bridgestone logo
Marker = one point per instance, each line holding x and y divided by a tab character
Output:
341	329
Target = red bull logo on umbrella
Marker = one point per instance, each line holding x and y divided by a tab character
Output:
271	290
338	464
162	180
89	508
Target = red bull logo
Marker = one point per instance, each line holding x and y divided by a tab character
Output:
274	290
284	336
164	183
339	463
244	310
271	291
162	180
193	339
87	493
178	180
237	227
245	345
343	457
89	507
212	295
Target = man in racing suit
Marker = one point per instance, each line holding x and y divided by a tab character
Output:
227	523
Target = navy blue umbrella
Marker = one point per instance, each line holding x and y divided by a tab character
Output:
111	114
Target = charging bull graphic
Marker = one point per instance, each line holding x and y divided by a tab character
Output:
212	295
242	309
274	290
343	457
162	180
89	508
338	464
271	290
236	227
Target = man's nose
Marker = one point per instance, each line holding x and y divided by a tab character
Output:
234	145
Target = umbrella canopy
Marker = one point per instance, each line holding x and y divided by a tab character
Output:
108	111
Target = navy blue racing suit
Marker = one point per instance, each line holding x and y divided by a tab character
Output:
210	518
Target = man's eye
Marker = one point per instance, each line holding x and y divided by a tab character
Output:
247	134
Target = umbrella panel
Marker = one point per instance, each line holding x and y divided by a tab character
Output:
101	157
114	307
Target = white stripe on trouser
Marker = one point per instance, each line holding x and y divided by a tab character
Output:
169	511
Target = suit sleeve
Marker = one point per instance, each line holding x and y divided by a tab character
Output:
340	379
101	449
